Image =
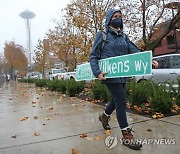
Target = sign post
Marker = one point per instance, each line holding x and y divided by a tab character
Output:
121	66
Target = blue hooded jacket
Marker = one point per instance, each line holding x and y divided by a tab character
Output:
117	44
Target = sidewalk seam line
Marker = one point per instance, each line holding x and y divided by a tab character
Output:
65	137
169	122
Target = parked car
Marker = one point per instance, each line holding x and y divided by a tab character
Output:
60	74
34	75
53	73
168	70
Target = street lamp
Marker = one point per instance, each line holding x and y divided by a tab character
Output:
172	6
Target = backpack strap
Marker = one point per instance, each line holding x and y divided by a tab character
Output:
104	36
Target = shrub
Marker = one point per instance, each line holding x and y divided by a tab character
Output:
61	86
162	100
80	86
73	87
178	95
100	91
138	93
41	83
52	85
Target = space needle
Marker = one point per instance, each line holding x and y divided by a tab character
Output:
27	15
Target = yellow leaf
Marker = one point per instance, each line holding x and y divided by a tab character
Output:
36	134
23	119
107	132
48	119
75	151
154	116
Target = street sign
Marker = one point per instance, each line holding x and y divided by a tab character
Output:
121	66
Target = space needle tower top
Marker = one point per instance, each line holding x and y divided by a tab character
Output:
27	15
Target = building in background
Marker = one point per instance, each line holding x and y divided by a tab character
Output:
169	44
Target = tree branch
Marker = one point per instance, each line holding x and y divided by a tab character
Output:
167	30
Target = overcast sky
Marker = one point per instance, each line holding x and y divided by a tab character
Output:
12	26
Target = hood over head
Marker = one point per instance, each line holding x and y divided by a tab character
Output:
109	15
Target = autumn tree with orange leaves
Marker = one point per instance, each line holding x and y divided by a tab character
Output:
142	18
41	53
72	37
15	57
72	40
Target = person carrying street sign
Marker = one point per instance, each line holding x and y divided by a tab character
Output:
111	43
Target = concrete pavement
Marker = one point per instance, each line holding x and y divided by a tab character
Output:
35	120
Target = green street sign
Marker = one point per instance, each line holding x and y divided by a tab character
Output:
121	66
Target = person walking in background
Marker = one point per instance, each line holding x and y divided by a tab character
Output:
7	77
15	77
117	43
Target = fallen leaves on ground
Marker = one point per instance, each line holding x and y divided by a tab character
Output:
36	134
36	117
147	104
175	108
149	130
87	99
91	138
51	108
146	111
157	115
174	111
23	118
107	132
48	119
75	151
83	135
154	116
137	108
13	136
128	105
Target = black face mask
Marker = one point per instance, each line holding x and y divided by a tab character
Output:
117	23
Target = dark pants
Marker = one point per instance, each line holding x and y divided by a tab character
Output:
117	102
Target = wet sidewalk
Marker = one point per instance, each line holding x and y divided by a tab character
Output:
35	120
